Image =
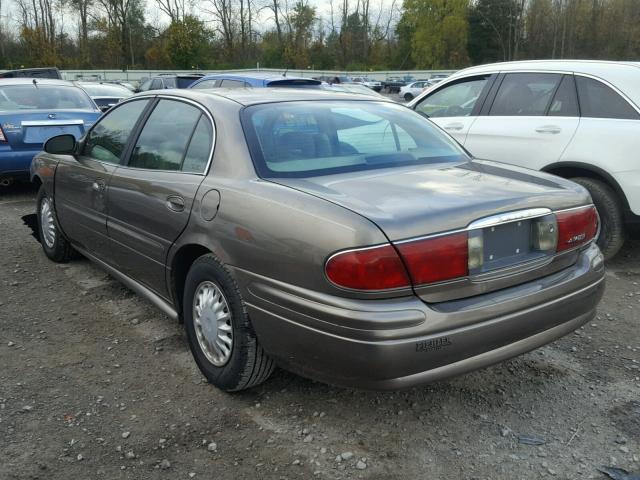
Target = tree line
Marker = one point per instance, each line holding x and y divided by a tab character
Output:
344	35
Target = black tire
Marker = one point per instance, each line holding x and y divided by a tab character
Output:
60	250
248	364
608	205
408	97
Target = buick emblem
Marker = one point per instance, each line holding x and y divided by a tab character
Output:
52	115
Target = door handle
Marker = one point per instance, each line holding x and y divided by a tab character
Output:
175	203
98	185
549	129
454	126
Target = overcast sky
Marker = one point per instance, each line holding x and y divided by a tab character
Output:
11	17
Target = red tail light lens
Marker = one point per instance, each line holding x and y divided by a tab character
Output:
376	268
436	259
576	227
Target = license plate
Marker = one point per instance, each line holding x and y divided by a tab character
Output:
506	245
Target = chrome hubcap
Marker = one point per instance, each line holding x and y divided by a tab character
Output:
212	319
47	224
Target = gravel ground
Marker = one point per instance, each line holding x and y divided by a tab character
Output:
95	383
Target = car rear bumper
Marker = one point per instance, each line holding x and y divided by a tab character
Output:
16	162
399	343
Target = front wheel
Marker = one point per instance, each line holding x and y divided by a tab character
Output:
607	203
221	337
55	246
408	97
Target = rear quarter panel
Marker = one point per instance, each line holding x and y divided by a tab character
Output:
265	229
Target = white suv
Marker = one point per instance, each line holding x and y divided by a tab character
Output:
576	119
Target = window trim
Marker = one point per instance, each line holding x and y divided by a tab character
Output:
125	150
145	116
499	75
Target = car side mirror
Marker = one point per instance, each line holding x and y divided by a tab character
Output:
61	145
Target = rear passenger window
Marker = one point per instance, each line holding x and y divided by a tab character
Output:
233	84
565	103
197	157
525	94
162	144
600	101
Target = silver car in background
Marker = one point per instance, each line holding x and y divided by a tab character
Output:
340	236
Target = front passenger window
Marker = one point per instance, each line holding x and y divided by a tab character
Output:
457	100
107	139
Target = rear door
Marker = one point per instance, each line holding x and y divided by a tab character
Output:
81	183
454	106
530	121
150	197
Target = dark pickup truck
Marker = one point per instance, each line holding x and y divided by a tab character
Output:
393	84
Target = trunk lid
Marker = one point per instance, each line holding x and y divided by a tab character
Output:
414	202
417	201
29	130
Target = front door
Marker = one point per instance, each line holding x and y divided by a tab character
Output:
81	183
454	106
530	123
150	197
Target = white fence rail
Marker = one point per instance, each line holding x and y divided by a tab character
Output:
135	75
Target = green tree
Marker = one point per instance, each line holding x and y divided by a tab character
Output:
439	32
188	43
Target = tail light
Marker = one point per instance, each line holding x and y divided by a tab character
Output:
576	227
450	256
2	137
436	259
374	268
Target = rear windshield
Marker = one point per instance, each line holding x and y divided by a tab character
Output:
107	90
305	139
294	82
48	97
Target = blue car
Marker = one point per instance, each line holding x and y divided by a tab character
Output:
254	80
32	111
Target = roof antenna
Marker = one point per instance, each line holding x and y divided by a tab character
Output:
35	84
285	72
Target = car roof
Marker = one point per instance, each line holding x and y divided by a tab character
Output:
253	96
254	76
625	76
39	81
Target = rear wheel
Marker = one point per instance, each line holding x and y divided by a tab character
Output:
221	337
408	97
55	246
607	203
